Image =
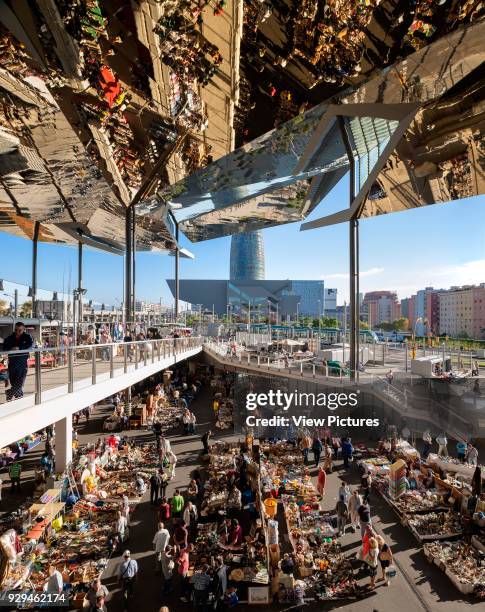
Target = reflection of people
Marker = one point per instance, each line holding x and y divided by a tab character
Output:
17	364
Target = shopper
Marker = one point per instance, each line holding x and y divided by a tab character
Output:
121	527
235	537
317	448
385	559
181	535
193	491
442	445
321	482
155	483
96	590
55	582
164	511
15	471
201	582
355	502
364	518
327	459
160	543
305	445
183	563
371	559
190	517
167	564
205	441
17	364
366	483
461	449
220	581
477	481
177	504
347	451
344	490
428	442
127	573
342	511
472	455
287	565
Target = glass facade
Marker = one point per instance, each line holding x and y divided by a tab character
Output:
247	257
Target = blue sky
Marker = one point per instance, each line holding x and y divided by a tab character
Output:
440	245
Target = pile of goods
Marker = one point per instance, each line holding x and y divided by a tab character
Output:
435	525
461	562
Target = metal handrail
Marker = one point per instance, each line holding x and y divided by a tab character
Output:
91	346
177	345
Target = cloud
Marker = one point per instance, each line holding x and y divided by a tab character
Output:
406	280
364	274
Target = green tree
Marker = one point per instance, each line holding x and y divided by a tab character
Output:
4	308
26	309
401	324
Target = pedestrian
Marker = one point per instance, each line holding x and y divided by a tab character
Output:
96	590
55	582
366	483
177	504
167	564
155	482
127	573
461	448
344	490
317	447
371	559
181	535
327	459
385	559
125	507
342	511
17	364
305	445
183	563
390	377
164	511
321	482
15	471
477	481
205	441
364	518
442	445
121	527
163	481
190	516
355	502
192	422
193	491
347	451
220	581
472	455
201	582
428	441
160	543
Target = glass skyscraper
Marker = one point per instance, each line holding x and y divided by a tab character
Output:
247	256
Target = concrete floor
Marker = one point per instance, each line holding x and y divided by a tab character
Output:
418	585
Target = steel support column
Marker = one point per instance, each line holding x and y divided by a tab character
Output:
354	258
176	311
35	245
133	261
80	290
128	267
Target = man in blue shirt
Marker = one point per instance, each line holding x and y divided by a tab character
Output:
127	572
17	364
